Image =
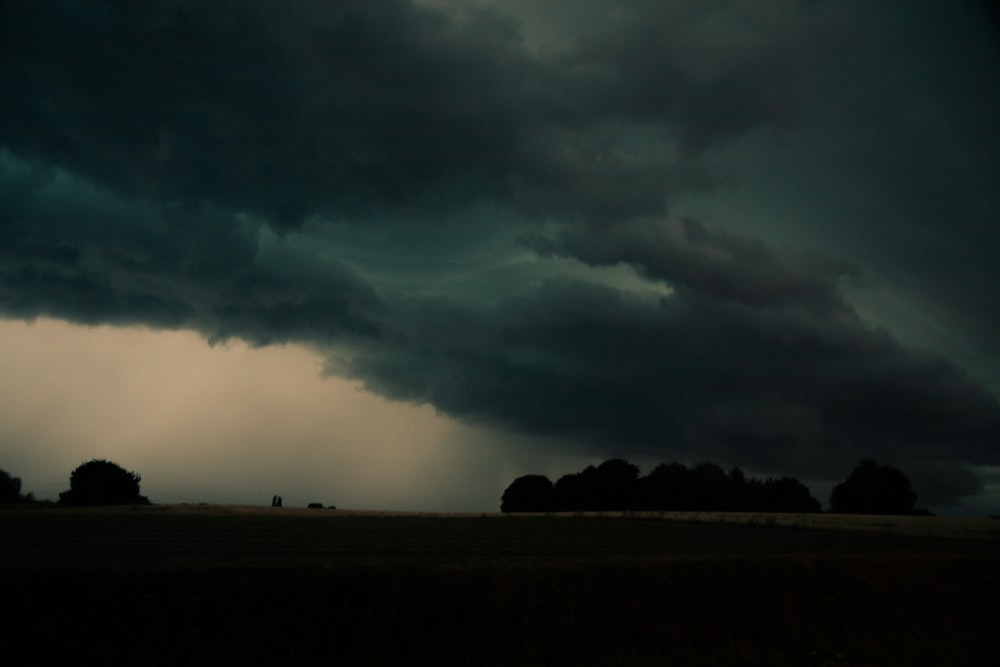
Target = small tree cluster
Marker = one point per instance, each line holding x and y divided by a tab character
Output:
529	493
10	488
872	488
707	487
100	482
615	485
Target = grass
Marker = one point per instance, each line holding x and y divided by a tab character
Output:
221	586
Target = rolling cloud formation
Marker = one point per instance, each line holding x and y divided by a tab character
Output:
455	215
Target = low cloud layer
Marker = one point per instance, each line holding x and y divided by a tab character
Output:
459	206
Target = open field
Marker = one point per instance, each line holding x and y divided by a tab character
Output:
231	585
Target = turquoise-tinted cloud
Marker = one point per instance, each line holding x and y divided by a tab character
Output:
668	229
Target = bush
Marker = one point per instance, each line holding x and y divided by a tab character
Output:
10	488
873	489
530	493
611	486
615	485
787	494
100	482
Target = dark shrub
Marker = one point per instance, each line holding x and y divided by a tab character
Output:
615	485
873	489
530	493
100	482
10	488
787	494
667	487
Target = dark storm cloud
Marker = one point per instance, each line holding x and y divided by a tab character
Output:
941	483
162	123
689	256
71	250
338	108
783	389
895	158
192	164
714	70
352	109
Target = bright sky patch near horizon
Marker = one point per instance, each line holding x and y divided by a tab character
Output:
232	424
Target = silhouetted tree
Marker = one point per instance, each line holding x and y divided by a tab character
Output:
100	482
572	491
711	487
529	493
739	492
611	486
614	486
10	488
667	488
787	494
873	489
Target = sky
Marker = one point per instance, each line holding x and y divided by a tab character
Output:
394	254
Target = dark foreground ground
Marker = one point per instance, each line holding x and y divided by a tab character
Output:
209	586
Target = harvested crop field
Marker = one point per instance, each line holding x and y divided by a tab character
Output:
219	585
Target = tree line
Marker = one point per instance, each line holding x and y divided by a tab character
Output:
615	485
94	482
